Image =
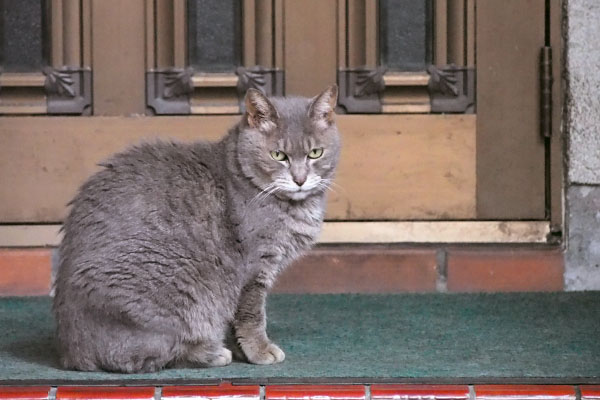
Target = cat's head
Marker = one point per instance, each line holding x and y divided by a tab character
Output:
289	147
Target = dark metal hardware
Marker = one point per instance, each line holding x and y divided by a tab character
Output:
360	89
269	81
452	89
68	90
546	80
168	91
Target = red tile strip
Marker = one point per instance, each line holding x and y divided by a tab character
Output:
497	392
223	391
25	272
320	392
419	392
590	392
505	270
30	393
104	392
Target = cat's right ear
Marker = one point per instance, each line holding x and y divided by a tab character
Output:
260	112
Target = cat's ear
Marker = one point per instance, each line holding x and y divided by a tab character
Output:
322	107
260	112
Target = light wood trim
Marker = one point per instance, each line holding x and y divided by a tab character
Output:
203	110
420	106
22	94
371	34
179	33
22	79
249	32
436	232
348	232
56	31
440	54
30	235
406	79
215	80
23	109
406	93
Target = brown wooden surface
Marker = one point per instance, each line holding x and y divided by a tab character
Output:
440	35
164	22
264	39
118	40
310	46
392	166
406	167
510	151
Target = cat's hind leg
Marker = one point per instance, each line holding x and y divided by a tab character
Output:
209	354
139	352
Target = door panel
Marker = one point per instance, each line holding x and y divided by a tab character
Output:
510	149
399	163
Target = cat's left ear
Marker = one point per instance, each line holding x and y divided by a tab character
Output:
322	107
260	112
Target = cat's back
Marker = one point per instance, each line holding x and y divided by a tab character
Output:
153	189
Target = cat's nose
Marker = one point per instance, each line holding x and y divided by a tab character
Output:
299	180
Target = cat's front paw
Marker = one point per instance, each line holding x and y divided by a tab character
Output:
269	354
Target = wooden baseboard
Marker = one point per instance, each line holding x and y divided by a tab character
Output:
350	232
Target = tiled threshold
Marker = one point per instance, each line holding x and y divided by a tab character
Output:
364	268
226	391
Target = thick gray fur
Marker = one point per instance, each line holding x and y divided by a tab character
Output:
171	248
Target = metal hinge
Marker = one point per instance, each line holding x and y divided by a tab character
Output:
546	80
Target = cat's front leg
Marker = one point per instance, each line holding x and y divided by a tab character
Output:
251	322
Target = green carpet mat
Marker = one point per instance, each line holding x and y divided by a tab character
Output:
427	338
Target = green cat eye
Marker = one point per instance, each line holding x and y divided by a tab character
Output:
315	153
278	155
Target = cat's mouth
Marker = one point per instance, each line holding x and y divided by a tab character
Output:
299	194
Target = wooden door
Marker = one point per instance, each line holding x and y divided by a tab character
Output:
439	99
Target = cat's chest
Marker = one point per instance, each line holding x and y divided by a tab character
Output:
280	228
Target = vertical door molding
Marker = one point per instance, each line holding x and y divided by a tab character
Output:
445	86
64	85
174	87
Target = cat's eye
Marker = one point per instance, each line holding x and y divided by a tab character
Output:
315	153
278	155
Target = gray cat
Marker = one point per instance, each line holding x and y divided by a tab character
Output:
172	247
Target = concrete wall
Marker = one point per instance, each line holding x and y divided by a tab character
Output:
583	145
